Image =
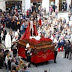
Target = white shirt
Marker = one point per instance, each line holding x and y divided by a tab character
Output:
6	59
8	41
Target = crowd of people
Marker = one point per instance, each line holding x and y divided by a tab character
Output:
64	6
59	30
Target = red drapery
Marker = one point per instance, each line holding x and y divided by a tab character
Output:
27	33
40	57
40	23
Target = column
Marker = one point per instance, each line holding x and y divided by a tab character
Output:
57	4
2	5
23	5
68	3
27	4
45	4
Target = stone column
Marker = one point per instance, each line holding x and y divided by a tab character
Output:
27	4
57	4
2	5
68	3
45	4
23	5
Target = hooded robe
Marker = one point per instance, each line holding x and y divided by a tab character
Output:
8	40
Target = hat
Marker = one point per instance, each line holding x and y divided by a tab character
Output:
27	45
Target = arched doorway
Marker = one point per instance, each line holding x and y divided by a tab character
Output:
36	4
52	2
13	5
61	3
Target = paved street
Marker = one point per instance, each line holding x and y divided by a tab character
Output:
64	15
62	65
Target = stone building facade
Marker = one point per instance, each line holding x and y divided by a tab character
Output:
25	4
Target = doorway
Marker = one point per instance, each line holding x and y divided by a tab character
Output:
61	4
11	5
71	2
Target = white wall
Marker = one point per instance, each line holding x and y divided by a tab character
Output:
45	4
2	5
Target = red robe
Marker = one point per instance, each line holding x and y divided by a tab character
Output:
27	33
27	12
40	23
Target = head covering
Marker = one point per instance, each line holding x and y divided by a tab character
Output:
27	45
16	34
8	40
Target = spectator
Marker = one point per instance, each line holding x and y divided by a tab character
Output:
13	63
67	47
13	69
69	15
59	45
7	61
8	41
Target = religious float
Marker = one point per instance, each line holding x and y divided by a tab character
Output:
42	49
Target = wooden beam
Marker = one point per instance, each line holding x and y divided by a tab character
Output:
36	1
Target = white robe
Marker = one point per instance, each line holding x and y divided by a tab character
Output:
52	37
8	41
31	26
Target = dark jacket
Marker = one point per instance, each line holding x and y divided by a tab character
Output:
59	44
67	47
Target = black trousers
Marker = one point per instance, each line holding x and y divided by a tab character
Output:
66	54
69	18
14	52
55	55
31	32
70	55
1	62
28	58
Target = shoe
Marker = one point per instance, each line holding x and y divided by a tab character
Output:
0	67
64	57
67	57
29	65
54	61
9	71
